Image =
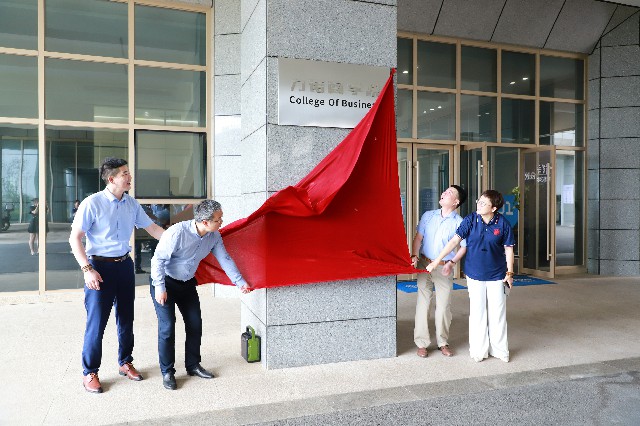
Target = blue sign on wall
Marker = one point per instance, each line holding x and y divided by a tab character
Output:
509	211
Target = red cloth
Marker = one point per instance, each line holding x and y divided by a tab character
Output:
342	221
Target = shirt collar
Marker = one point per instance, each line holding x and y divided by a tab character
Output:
112	197
452	214
192	228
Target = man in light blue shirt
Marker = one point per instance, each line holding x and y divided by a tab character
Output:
107	219
434	231
173	282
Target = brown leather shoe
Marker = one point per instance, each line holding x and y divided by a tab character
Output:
127	369
91	383
446	350
422	352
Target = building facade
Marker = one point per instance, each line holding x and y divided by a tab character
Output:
538	99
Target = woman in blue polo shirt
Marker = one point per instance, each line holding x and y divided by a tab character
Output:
488	264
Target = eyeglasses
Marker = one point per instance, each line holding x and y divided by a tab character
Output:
482	203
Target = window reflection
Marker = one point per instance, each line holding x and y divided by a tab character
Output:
569	208
402	156
170	164
405	113
405	61
86	91
561	124
19	24
90	27
436	116
163	215
561	77
18	86
167	97
479	69
478	118
168	35
518	73
436	64
73	164
19	186
518	117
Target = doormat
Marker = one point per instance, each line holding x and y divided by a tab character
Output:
412	286
518	281
522	280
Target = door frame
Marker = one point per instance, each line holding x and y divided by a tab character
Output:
413	204
551	196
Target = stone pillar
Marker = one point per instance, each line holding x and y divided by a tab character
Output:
614	149
322	322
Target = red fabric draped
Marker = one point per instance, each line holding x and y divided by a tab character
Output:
342	221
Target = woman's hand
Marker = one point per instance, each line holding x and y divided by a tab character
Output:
432	266
509	280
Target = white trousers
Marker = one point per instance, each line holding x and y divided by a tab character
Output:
443	285
487	320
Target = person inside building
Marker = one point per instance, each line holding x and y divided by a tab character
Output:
34	225
107	218
173	283
434	231
74	210
489	271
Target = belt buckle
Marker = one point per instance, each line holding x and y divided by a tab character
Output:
121	258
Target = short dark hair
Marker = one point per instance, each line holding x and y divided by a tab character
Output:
494	197
110	166
462	194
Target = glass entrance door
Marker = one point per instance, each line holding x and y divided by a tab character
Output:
432	177
404	174
424	172
472	162
537	203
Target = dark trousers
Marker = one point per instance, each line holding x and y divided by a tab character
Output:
116	289
184	295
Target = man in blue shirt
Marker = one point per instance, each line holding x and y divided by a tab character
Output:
434	231
107	219
173	268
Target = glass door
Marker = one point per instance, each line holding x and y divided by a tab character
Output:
404	174
502	172
472	162
424	172
537	203
432	177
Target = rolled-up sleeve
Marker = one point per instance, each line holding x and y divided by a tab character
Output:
227	263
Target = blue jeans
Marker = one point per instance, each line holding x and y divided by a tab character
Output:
116	289
184	295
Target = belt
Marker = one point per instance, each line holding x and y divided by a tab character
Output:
426	259
179	281
110	259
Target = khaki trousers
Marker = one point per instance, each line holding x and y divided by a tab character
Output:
443	285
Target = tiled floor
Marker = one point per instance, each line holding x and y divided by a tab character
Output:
577	328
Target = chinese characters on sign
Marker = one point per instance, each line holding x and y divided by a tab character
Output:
325	94
541	175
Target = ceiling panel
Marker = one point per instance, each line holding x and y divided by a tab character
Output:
580	25
418	15
468	19
526	22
